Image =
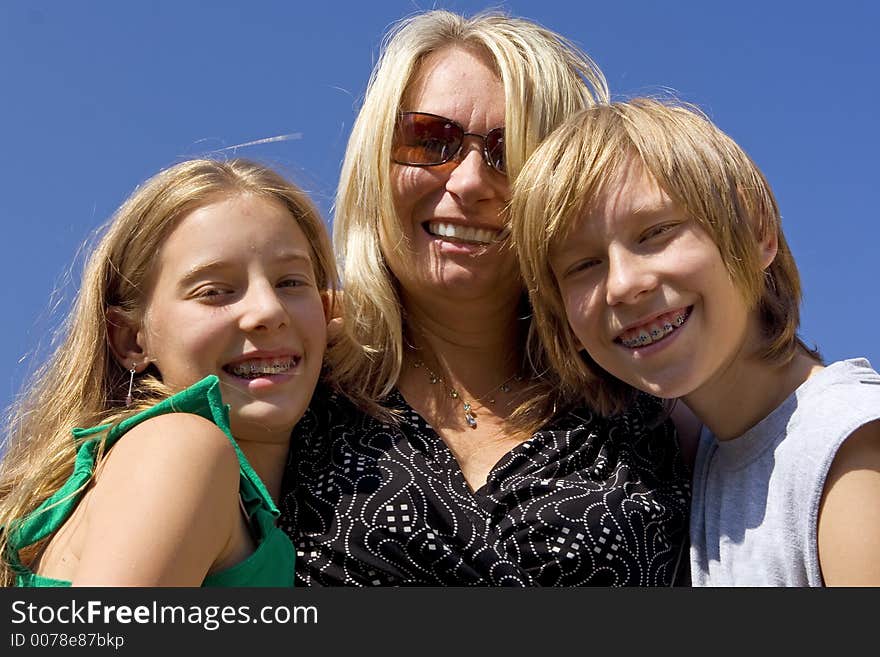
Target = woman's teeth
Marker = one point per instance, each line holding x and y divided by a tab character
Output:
463	233
655	330
251	369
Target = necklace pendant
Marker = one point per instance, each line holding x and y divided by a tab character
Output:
469	417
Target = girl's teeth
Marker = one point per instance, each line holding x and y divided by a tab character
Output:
254	368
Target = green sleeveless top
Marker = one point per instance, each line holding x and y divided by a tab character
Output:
271	564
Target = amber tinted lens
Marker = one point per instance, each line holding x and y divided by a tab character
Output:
425	139
495	149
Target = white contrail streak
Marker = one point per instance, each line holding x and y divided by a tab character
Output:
267	140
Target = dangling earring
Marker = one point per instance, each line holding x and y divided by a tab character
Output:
130	384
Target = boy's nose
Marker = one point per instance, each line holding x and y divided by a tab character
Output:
629	275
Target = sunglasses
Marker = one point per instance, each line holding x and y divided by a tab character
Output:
426	140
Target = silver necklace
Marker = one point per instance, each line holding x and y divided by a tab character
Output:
489	397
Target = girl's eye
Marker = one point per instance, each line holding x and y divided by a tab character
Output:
581	265
291	282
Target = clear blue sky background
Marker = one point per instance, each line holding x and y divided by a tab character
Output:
97	96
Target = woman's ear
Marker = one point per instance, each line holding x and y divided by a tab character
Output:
578	345
126	339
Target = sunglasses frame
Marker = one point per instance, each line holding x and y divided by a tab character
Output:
484	138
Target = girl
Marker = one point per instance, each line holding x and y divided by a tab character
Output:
652	242
210	278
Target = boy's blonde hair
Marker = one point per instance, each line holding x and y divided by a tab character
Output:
82	384
703	171
545	79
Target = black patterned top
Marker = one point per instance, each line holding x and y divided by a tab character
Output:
586	501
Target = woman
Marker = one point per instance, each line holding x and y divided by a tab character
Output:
440	452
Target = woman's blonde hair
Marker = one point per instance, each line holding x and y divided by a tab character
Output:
703	171
545	78
81	384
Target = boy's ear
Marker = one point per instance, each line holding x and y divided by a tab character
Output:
769	246
126	339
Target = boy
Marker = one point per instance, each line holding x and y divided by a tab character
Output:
653	252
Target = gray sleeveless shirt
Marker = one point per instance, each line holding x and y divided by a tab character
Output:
756	497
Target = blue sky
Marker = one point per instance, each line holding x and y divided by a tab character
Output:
98	96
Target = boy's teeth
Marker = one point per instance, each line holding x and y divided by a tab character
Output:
656	330
259	367
463	233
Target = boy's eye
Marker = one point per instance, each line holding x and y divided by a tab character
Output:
657	230
207	292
